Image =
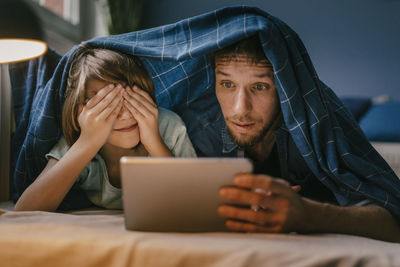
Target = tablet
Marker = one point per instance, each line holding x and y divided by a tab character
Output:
176	194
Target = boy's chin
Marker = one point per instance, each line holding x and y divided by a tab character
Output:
125	145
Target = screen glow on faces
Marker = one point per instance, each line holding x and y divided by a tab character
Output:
125	132
247	95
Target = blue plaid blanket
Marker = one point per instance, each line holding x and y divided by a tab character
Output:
326	134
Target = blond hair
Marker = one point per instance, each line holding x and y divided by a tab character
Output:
104	65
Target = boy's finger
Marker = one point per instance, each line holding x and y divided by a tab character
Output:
139	103
133	110
116	111
100	95
108	108
113	96
144	94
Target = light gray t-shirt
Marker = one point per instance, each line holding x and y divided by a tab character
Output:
94	178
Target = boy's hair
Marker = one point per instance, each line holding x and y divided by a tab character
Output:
104	65
250	48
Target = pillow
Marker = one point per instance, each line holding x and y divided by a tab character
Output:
357	105
382	122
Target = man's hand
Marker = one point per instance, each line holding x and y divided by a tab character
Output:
280	208
96	118
145	111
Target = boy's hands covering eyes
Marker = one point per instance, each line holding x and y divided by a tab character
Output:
98	115
145	111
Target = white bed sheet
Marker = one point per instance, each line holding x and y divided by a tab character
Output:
99	238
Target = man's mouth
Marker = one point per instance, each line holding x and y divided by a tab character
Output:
127	128
242	127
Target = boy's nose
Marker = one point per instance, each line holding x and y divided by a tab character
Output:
124	114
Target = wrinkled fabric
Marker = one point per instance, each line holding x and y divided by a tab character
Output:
99	238
325	133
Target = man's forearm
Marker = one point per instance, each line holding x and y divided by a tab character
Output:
370	221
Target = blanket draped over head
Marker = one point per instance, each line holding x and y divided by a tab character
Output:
325	133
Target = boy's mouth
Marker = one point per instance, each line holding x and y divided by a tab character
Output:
127	128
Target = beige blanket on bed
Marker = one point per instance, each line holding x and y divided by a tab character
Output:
98	238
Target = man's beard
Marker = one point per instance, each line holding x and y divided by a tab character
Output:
253	141
272	125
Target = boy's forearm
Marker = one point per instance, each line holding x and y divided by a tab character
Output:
50	188
370	221
160	150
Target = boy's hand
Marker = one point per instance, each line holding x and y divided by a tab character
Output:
97	116
145	111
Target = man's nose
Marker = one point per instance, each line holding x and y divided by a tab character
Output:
242	102
124	114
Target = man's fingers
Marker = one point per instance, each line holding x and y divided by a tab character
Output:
251	198
268	184
260	217
250	227
296	188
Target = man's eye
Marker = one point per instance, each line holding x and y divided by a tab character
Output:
261	87
227	84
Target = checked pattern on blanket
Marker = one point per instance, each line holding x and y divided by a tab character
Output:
323	130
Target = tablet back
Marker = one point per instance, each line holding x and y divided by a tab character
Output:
176	194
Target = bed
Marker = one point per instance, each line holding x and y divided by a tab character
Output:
99	238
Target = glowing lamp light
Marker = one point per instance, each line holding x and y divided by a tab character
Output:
14	50
21	34
21	38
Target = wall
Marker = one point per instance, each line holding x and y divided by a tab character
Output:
61	35
354	44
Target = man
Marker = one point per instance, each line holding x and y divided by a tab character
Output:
268	200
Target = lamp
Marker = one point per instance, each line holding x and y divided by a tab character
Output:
21	38
14	50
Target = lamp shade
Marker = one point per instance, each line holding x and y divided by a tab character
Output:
21	35
14	50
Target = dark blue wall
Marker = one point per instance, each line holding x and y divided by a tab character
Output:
354	44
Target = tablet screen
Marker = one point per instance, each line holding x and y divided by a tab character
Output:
176	194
